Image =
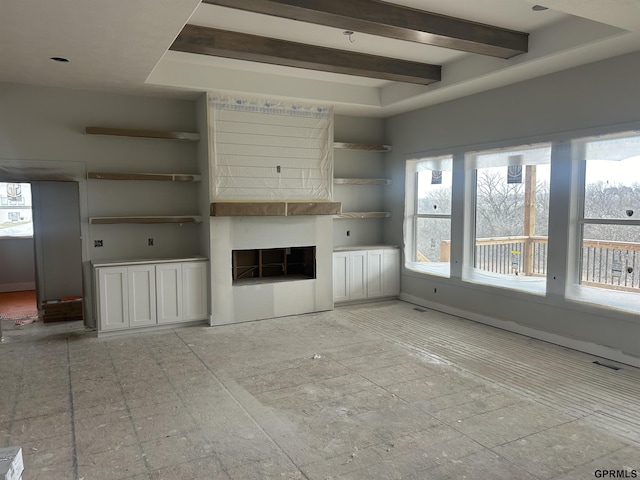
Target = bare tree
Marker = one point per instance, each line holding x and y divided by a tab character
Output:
499	205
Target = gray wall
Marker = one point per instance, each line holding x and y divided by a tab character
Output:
42	129
18	270
602	94
358	164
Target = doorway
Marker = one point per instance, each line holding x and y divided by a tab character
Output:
50	260
18	302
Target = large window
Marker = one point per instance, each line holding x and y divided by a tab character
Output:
428	215
15	210
511	217
595	250
609	246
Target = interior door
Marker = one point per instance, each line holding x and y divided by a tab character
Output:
58	244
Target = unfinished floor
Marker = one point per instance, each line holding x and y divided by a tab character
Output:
365	392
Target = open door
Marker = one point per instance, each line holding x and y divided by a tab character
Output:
58	247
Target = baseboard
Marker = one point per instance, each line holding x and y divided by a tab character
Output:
150	328
580	345
17	287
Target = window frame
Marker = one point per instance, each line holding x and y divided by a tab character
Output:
411	262
536	285
27	206
575	290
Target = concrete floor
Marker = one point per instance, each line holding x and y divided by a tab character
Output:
364	392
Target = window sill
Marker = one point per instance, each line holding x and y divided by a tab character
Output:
532	285
611	299
440	269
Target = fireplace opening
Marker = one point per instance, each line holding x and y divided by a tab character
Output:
263	265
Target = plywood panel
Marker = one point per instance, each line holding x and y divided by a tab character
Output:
313	208
235	209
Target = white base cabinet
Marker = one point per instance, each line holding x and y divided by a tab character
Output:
143	295
169	277
365	274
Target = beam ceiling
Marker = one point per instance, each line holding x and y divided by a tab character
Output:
393	21
222	43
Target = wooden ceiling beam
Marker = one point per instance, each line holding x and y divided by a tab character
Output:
394	21
240	46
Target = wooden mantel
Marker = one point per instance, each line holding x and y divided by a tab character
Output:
279	209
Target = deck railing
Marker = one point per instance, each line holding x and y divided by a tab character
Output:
606	264
615	264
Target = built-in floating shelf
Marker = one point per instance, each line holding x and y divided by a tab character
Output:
162	177
145	219
361	181
364	215
125	132
369	147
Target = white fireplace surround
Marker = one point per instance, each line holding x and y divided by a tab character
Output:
241	303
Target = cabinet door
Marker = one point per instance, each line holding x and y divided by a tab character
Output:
374	273
113	298
391	272
169	292
341	276
194	291
357	275
142	295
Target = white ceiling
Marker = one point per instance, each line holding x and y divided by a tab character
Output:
122	45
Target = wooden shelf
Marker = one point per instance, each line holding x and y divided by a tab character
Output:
274	209
362	146
364	215
145	219
125	132
361	181
162	177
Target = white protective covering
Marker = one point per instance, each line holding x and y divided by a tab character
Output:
269	150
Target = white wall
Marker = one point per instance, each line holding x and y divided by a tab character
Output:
581	99
232	304
44	127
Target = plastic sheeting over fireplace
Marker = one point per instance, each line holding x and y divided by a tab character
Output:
273	265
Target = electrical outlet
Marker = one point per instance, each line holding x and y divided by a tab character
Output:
150	241
97	243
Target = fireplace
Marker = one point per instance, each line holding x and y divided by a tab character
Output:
272	266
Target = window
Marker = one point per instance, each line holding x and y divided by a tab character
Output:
428	215
511	217
609	244
15	210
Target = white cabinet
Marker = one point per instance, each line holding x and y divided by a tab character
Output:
169	277
357	275
365	274
113	298
194	291
142	295
340	276
375	273
391	272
